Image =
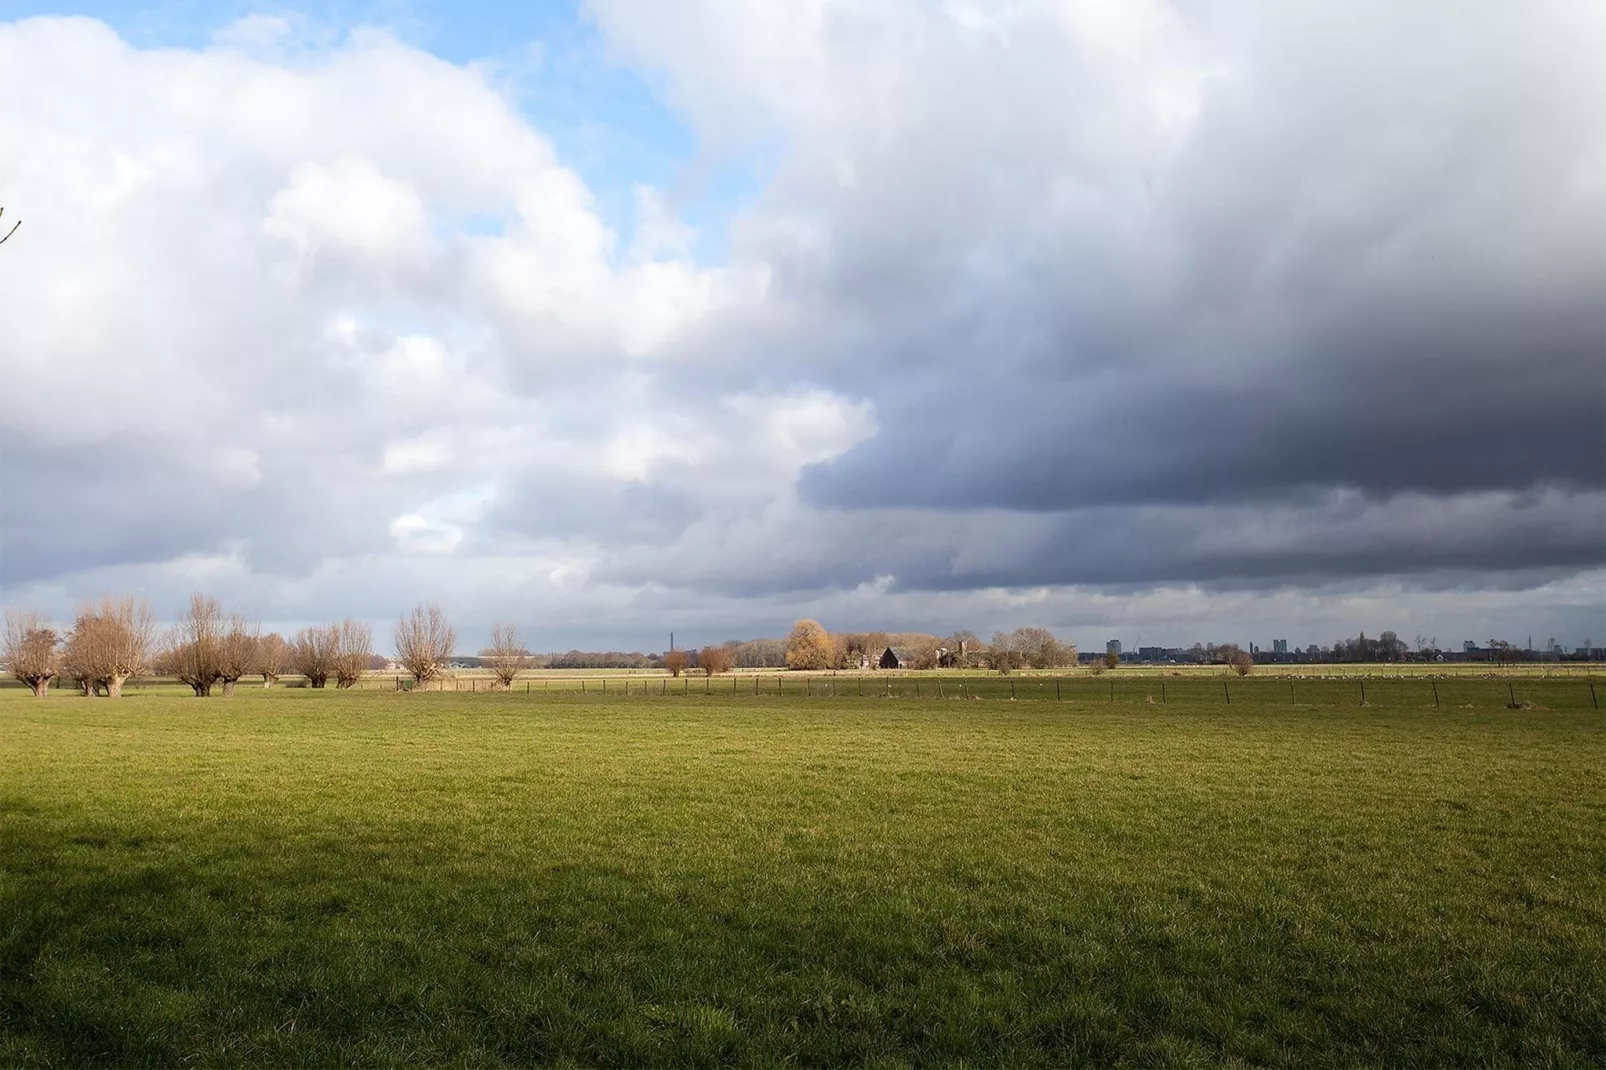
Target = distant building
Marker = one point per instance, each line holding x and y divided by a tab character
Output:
1469	647
899	657
1279	646
1113	647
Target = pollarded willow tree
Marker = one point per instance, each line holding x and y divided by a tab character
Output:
111	641
313	653
424	642
33	650
273	654
353	646
195	646
239	653
506	655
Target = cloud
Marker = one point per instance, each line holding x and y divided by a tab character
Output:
1038	306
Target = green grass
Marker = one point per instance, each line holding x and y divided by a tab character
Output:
306	878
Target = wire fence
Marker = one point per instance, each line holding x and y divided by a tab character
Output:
1251	692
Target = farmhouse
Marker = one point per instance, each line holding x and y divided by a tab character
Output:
898	657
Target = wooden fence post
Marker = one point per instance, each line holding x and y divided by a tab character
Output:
1227	692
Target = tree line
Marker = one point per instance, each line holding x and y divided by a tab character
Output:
116	639
210	649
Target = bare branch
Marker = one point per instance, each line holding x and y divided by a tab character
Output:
33	650
506	654
424	642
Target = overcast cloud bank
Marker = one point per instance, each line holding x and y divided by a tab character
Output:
1189	320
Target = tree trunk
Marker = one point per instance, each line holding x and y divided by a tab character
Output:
114	686
228	688
267	681
40	686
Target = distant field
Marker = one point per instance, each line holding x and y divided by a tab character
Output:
309	878
1407	684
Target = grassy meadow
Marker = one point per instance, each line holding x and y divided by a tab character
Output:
303	877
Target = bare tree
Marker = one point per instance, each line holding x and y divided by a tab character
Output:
506	655
714	660
239	653
424	642
13	229
810	646
353	646
313	653
195	646
273	654
110	642
1241	662
675	661
33	650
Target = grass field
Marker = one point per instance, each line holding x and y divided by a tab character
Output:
305	878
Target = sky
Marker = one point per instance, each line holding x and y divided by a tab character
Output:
1159	320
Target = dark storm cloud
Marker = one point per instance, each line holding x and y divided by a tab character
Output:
1480	399
1522	539
1372	260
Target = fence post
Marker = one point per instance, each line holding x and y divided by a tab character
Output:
1057	696
582	687
1162	692
1511	691
1225	691
1291	692
1112	690
1363	691
1592	700
1435	694
1012	689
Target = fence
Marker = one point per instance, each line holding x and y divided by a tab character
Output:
1252	692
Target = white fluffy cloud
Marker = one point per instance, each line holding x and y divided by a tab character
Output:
329	326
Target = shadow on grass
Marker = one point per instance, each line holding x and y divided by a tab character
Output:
118	949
